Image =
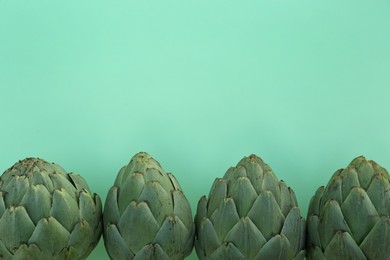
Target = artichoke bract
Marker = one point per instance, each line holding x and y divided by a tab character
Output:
46	213
349	218
249	214
146	215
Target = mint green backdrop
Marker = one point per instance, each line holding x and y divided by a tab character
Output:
198	85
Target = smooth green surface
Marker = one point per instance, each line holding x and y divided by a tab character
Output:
198	85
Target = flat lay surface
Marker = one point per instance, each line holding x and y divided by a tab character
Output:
198	85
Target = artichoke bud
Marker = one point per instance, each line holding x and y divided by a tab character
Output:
41	208
146	214
249	214
349	218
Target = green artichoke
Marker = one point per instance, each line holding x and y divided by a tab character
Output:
249	214
47	213
349	218
146	215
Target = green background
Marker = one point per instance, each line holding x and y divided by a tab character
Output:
198	85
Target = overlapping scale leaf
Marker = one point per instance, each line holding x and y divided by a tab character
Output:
130	190
51	235
217	194
242	191
138	217
379	194
118	246
15	188
181	207
293	226
359	213
375	245
286	198
246	237
271	183
333	191
278	248
342	247
158	199
207	239
331	222
37	201
267	215
64	209
350	180
224	218
15	227
227	251
254	171
152	251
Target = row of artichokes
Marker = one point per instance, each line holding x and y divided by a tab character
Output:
47	213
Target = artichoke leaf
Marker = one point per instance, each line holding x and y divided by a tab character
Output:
60	181
254	172
350	180
245	236
333	190
2	205
181	207
342	247
243	194
227	251
88	209
138	226
78	182
17	186
208	239
111	211
376	244
277	248
50	236
16	227
271	183
41	177
313	236
217	194
130	190
64	209
31	252
159	200
331	221
360	224
365	173
292	227
286	202
224	218
37	202
152	252
379	194
157	175
116	246
314	205
173	236
266	215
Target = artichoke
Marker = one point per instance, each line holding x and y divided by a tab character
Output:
249	214
46	213
349	218
146	215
